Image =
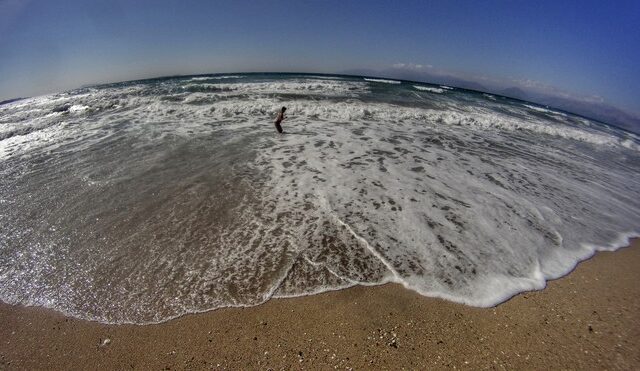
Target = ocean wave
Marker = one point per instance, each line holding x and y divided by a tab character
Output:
299	87
207	78
220	102
323	77
339	111
429	89
384	81
544	110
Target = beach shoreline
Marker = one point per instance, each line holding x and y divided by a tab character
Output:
584	320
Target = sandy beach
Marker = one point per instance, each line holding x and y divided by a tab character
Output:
586	320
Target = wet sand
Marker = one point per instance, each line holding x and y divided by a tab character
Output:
586	320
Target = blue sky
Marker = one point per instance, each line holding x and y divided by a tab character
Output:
588	49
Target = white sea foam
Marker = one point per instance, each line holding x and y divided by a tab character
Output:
384	81
381	204
544	110
167	201
630	144
324	77
301	87
446	87
222	104
207	78
539	109
226	77
429	89
78	108
20	144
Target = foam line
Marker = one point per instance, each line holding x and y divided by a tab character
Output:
384	81
373	251
429	89
352	282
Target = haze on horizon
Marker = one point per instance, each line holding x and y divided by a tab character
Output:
583	55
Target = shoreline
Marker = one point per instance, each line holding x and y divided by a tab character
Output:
586	319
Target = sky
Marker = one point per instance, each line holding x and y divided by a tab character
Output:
585	49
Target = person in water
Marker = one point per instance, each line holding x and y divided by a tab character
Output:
279	119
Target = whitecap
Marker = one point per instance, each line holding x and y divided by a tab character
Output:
384	81
429	89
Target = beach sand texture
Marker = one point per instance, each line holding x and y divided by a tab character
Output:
586	320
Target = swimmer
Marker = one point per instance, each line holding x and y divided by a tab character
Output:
279	119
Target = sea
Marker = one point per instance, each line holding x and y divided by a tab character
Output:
142	201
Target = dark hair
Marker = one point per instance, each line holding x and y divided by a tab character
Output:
284	109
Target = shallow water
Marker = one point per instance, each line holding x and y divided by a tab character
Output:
142	201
